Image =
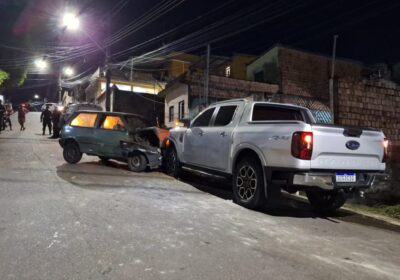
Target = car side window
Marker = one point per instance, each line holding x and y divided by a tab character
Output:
113	123
87	120
204	118
225	115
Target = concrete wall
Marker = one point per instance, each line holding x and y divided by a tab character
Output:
268	64
177	93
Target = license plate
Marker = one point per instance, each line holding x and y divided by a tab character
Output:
346	177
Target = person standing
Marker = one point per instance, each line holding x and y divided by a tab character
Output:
2	111
21	116
45	118
7	118
56	120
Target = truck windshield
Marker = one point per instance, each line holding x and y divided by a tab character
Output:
263	112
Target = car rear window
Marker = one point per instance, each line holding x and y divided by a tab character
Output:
225	115
113	123
84	120
270	113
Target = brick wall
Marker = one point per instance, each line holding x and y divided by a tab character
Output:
373	104
308	74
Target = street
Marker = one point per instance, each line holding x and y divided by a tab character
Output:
95	221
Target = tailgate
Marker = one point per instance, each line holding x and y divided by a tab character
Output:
341	148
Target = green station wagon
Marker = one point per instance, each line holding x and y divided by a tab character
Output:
99	134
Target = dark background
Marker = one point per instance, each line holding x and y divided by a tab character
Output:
368	31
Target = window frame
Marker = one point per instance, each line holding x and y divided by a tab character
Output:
171	119
103	118
181	113
210	122
233	116
80	113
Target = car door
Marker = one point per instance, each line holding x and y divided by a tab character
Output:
219	138
111	129
82	129
194	138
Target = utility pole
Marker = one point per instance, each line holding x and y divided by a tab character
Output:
59	87
108	70
131	75
331	81
207	76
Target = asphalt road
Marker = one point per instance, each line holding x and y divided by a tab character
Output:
91	221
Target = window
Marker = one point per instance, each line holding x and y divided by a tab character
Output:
181	108
204	118
171	114
269	113
259	76
136	122
225	115
228	71
84	120
113	123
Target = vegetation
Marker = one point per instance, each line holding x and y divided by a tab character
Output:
392	211
4	76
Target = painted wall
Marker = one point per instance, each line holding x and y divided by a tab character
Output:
177	93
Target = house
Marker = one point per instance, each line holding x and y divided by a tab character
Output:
141	83
184	96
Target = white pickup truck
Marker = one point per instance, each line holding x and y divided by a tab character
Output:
265	147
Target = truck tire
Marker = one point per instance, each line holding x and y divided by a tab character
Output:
326	201
172	164
248	183
71	153
137	163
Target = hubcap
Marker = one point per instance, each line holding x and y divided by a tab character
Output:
246	183
135	161
171	162
71	153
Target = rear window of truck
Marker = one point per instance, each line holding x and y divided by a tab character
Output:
271	113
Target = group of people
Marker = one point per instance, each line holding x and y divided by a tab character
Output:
51	120
6	111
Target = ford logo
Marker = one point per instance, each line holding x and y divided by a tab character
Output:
352	145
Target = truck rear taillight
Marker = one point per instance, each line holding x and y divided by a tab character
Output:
385	149
302	145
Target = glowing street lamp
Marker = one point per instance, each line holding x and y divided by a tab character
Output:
70	21
36	96
68	71
41	64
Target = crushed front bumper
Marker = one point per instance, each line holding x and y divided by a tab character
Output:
327	181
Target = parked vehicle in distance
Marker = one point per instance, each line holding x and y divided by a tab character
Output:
265	147
98	134
52	106
142	148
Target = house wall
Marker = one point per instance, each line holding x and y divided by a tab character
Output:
307	74
267	65
239	66
177	93
374	104
147	105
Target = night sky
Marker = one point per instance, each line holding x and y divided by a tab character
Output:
368	30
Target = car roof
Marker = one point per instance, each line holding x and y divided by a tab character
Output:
110	113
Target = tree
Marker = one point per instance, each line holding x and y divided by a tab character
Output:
4	76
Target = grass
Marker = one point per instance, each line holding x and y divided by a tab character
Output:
392	211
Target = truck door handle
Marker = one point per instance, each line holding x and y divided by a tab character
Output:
223	134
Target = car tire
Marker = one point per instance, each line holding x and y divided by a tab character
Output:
71	153
248	183
172	164
326	201
137	163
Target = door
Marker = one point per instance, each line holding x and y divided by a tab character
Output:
219	138
111	130
82	128
194	141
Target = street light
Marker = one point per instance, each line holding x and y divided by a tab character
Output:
70	21
68	71
36	96
41	64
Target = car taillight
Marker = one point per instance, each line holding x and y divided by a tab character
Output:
385	149
302	145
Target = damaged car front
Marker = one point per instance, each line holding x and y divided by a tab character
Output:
143	148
